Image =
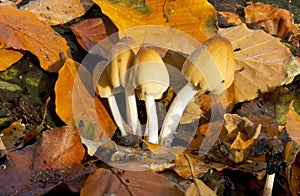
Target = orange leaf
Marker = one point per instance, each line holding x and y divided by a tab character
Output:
293	124
195	17
9	57
22	30
76	104
128	183
276	21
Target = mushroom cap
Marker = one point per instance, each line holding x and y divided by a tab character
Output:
211	66
103	86
131	43
121	58
149	75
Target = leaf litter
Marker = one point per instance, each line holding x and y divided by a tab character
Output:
57	155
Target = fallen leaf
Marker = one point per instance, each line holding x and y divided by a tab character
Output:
276	21
13	135
126	14
120	182
183	169
226	19
191	113
9	57
260	61
203	189
77	104
57	12
92	34
32	35
51	161
293	124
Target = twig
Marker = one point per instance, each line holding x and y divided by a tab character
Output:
193	173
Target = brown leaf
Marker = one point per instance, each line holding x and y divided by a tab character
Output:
276	21
260	61
76	103
91	32
38	168
57	12
183	169
12	135
60	147
293	124
120	182
32	35
201	15
8	57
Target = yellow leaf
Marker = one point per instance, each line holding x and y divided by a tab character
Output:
191	113
260	61
293	124
195	17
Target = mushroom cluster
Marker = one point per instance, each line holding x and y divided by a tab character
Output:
141	73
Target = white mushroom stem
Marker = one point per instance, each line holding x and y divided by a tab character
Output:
132	114
269	185
152	122
117	115
174	114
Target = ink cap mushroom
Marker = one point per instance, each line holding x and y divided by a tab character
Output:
210	68
149	79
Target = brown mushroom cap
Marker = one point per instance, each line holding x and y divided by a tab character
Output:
211	66
149	75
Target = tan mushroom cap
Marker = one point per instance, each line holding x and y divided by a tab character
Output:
121	59
103	86
149	75
211	66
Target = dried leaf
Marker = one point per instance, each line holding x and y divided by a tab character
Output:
32	35
126	14
228	19
13	135
38	168
77	104
91	33
260	61
120	182
192	113
203	188
182	167
9	57
57	12
293	124
276	21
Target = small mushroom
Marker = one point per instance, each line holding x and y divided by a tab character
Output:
114	76
210	68
121	59
149	78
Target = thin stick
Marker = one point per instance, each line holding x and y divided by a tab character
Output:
193	172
